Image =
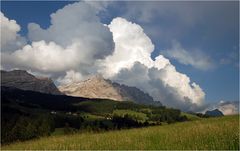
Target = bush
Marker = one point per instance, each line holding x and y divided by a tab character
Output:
125	122
60	120
18	127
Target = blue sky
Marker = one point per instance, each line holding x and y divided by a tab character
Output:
209	28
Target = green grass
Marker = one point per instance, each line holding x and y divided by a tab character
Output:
96	106
138	115
211	133
191	117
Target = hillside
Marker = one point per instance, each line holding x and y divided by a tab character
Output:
10	95
23	80
208	134
28	114
98	87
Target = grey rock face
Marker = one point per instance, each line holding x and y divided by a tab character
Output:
23	80
94	87
98	87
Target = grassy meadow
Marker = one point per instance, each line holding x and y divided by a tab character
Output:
210	133
137	115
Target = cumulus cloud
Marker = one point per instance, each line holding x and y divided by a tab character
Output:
166	85
74	42
9	29
131	45
80	25
42	56
195	58
131	64
228	107
10	40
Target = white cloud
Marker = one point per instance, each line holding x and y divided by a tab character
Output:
197	59
131	64
75	40
9	29
131	45
42	56
228	108
10	40
76	23
172	88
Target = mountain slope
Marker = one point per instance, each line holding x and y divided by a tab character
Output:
95	87
98	87
23	80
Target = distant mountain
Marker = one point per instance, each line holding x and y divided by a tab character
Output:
23	80
98	87
215	112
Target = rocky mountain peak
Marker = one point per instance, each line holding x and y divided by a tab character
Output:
98	87
21	79
95	79
16	73
93	87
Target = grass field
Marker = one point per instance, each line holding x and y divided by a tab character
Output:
212	133
138	115
191	117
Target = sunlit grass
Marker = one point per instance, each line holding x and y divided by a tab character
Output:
138	115
213	133
191	116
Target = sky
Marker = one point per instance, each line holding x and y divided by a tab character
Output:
183	53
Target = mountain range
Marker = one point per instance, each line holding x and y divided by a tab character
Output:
94	87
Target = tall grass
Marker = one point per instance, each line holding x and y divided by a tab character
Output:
213	133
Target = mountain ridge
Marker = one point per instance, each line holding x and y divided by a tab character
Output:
98	87
21	79
94	87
